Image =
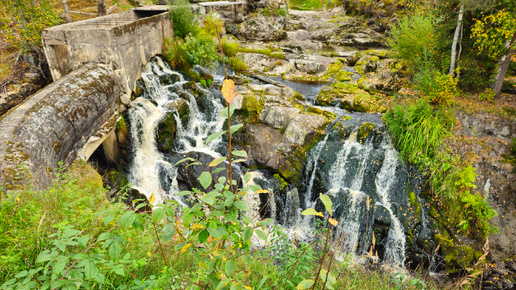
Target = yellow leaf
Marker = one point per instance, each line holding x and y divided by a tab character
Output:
262	191
185	248
152	199
149	254
334	222
196	226
229	91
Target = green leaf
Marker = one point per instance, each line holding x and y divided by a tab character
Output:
108	219
265	222
158	214
240	153
60	264
213	194
247	177
21	274
305	284
127	219
248	233
216	213
82	241
327	203
235	128
208	200
205	179
260	285
115	250
45	256
215	233
218	170
203	236
120	271
261	234
217	161
184	192
241	205
214	136
224	112
331	279
311	211
184	159
230	267
223	283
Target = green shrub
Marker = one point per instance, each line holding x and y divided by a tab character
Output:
237	64
24	22
414	40
199	49
183	19
440	88
231	48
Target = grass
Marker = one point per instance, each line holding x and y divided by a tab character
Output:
30	220
307	5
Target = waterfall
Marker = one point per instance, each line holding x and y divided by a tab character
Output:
359	173
395	248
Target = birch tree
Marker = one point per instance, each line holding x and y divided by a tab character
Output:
101	7
66	13
456	40
496	35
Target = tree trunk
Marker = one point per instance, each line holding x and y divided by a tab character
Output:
101	7
455	40
66	12
503	65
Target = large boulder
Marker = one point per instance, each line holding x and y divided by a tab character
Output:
259	27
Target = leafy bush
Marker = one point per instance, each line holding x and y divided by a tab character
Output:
183	19
414	40
440	88
420	134
237	64
231	48
199	49
24	22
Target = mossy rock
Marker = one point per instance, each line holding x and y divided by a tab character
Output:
167	126
457	257
343	76
252	106
328	96
380	53
88	176
326	114
366	64
365	130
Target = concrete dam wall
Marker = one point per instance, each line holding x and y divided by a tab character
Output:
95	64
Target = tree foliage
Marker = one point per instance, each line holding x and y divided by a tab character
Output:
23	22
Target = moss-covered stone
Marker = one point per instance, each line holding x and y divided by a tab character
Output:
365	129
457	257
252	106
326	114
366	64
167	127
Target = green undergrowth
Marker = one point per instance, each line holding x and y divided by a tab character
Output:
70	236
422	134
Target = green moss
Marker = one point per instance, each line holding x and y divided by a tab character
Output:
252	106
414	201
363	61
365	129
457	257
326	114
343	75
283	183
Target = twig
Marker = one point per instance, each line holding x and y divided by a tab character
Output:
324	256
159	243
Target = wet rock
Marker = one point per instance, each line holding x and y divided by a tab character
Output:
278	117
303	127
259	27
189	175
167	127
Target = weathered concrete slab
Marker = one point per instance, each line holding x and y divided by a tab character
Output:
125	41
55	123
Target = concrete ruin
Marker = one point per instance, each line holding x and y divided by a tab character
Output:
125	41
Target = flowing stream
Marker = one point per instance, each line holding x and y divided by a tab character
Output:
362	175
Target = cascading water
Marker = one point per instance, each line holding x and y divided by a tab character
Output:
360	172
